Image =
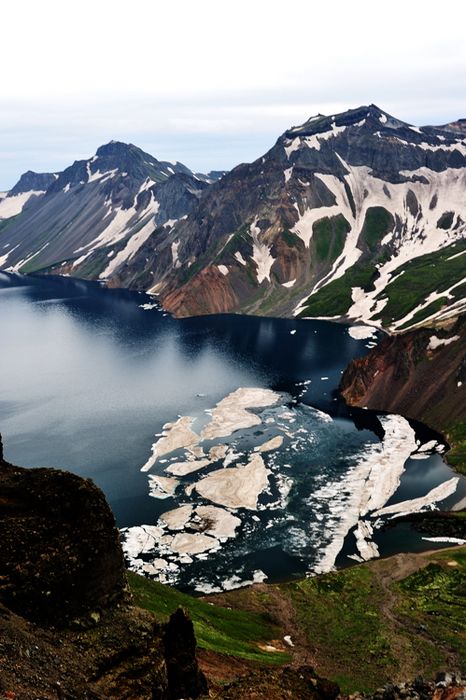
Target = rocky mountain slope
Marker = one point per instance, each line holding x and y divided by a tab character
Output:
420	374
351	216
356	215
96	214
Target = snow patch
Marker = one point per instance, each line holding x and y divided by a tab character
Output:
435	342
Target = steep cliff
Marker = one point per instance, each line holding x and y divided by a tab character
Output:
68	628
420	374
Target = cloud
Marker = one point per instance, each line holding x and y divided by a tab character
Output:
211	84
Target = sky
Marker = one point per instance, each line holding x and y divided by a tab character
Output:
213	84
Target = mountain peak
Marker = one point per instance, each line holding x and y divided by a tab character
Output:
121	149
358	116
31	181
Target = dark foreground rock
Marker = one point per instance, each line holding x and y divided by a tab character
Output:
60	557
270	684
68	629
447	686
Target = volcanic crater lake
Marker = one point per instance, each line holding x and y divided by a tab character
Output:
220	442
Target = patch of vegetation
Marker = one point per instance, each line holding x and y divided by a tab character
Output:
223	630
422	314
329	236
434	599
335	298
377	224
240	242
456	436
421	277
291	239
96	263
459	292
340	614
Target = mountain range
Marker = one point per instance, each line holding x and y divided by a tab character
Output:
355	216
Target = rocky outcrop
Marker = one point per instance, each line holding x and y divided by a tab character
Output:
184	679
68	628
60	557
301	682
32	182
447	686
420	374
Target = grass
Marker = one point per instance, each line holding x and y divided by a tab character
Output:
240	242
291	239
434	599
456	436
363	627
377	224
335	298
421	276
422	314
329	236
6	222
340	614
223	630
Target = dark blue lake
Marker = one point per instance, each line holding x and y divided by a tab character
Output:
88	378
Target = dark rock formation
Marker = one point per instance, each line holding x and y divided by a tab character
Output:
60	557
447	686
184	679
67	626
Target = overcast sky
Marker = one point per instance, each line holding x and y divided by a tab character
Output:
211	83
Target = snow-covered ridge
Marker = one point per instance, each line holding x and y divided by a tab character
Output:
417	232
12	205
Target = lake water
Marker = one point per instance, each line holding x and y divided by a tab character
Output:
88	379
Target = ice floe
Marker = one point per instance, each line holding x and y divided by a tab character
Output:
222	508
272	444
445	540
231	413
365	487
188	467
415	505
362	332
175	435
236	487
162	486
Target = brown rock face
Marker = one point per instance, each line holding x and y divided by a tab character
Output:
405	374
209	292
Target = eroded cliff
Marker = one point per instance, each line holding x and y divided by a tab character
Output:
420	374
